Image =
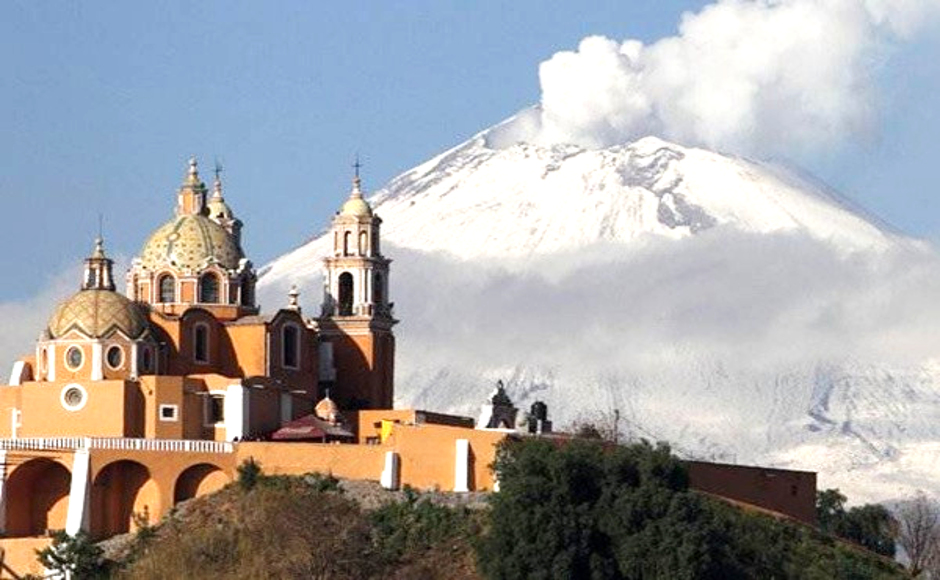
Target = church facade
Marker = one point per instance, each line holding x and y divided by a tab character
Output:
184	352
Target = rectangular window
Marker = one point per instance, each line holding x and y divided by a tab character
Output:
169	413
215	409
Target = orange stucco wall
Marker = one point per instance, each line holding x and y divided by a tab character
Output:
428	455
349	461
105	413
20	556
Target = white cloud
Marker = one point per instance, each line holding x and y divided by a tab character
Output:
751	76
24	320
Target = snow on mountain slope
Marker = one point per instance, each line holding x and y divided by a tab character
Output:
733	308
479	202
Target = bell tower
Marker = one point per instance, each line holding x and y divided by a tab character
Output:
356	316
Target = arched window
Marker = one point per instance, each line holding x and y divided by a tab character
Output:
208	289
378	290
363	243
290	346
346	237
201	343
167	289
345	294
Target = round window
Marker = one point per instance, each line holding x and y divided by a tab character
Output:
115	357
74	397
74	358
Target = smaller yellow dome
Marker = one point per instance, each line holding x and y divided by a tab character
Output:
356	206
98	313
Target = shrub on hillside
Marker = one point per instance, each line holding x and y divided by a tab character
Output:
249	471
73	556
869	525
416	524
585	509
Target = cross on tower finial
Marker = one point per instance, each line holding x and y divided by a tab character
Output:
218	170
357	166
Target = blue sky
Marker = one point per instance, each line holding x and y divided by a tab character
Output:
102	103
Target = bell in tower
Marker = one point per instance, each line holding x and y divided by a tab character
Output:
356	316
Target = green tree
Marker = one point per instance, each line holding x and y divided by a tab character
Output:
830	510
869	525
75	555
249	472
589	509
872	526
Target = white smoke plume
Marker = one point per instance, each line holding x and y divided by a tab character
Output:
750	76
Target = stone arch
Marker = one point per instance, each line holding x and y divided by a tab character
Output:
123	491
37	497
198	480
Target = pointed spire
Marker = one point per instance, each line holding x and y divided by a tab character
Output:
356	205
191	198
217	183
357	181
98	253
192	178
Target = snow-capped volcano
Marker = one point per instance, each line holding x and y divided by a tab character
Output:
476	201
731	307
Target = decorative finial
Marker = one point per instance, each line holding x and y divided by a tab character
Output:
99	247
217	184
193	176
292	298
357	181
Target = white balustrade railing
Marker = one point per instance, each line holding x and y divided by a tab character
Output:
116	443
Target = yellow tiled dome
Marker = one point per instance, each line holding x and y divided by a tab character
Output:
356	207
98	313
191	242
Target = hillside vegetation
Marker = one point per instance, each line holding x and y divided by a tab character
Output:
577	510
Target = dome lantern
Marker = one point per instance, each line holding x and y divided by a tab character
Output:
191	197
98	269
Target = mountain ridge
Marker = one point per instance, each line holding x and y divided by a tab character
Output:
735	308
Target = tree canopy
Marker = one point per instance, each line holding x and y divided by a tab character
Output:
589	509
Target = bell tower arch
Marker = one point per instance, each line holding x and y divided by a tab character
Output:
356	317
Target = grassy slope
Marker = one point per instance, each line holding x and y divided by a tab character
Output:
286	528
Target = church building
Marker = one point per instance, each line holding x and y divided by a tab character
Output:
134	402
185	352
